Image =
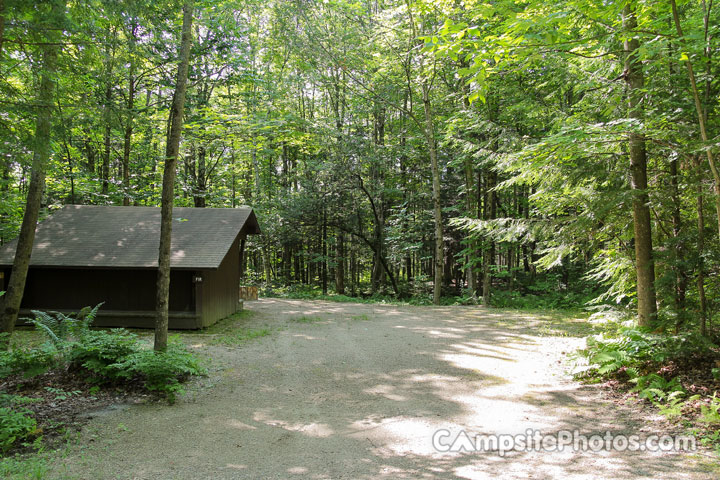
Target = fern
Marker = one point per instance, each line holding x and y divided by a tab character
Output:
653	387
59	328
711	413
610	361
675	401
54	325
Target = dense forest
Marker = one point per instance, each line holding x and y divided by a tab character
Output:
486	151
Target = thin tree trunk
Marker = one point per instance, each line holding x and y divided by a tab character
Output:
324	253
126	158
644	266
701	114
266	264
701	255
681	277
169	173
429	132
105	168
340	264
470	202
41	154
232	170
489	256
127	140
353	269
201	178
243	258
377	277
437	210
2	26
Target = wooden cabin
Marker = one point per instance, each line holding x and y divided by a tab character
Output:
84	255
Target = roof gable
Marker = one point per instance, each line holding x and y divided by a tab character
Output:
129	237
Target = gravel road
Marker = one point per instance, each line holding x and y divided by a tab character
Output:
355	391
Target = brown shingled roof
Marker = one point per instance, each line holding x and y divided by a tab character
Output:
129	237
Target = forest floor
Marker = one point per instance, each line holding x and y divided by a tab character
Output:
320	390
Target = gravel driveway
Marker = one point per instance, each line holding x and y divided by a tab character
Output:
357	391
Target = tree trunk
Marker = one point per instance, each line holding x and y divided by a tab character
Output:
681	277
644	266
267	268
41	154
470	202
377	277
701	113
127	139
2	25
233	187
201	178
324	252
489	255
105	168
437	210
126	155
353	269
701	257
429	133
340	264
243	258
169	173
377	274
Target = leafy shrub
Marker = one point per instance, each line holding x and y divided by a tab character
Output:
98	350
29	362
15	425
161	371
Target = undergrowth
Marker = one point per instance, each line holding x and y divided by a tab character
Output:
543	295
112	359
677	374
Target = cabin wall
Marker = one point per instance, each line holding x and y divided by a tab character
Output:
128	295
219	289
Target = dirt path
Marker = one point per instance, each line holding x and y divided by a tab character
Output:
357	391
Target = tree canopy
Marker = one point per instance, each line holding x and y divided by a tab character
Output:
486	151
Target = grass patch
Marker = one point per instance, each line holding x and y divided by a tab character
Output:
228	325
307	319
233	330
569	326
237	337
360	318
25	467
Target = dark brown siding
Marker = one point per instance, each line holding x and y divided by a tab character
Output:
128	295
220	295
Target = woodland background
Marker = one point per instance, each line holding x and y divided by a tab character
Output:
516	153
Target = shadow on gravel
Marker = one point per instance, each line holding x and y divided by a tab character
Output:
463	369
342	398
